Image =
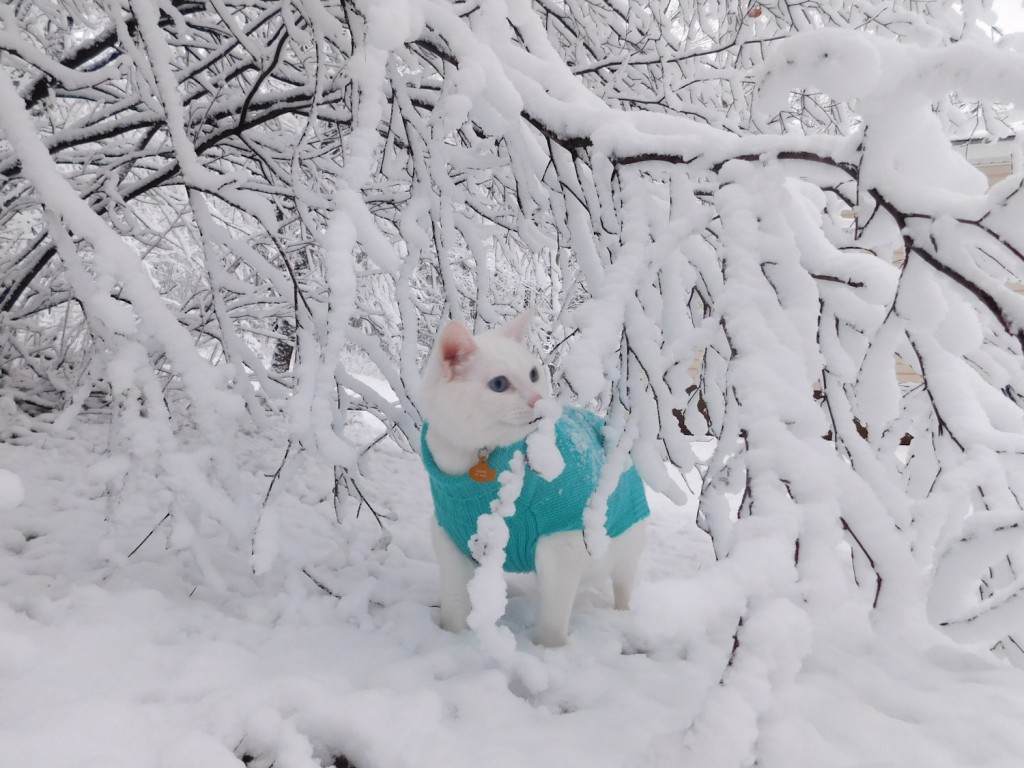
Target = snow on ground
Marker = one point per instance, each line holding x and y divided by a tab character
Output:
109	659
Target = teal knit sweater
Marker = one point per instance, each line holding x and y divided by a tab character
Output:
543	507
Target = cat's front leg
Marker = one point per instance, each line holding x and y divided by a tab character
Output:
561	560
456	573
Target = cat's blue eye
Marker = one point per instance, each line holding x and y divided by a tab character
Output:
498	384
534	375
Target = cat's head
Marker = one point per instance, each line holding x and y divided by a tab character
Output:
479	391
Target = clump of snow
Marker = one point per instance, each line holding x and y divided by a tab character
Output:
617	460
488	594
842	63
12	490
541	451
392	22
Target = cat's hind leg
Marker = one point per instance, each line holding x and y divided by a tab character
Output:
561	559
456	572
625	552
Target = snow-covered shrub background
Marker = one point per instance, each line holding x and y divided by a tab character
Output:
236	225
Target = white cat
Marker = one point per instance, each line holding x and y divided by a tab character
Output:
477	397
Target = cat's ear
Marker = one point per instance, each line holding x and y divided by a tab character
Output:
454	346
516	329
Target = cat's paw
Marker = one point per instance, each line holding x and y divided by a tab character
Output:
551	638
454	620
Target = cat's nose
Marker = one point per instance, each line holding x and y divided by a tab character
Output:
533	398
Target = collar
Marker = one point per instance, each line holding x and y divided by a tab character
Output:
498	459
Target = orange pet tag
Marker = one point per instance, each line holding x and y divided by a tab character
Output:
481	472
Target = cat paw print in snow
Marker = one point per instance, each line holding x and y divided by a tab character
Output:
12	490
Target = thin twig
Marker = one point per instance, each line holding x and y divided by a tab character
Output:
148	535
